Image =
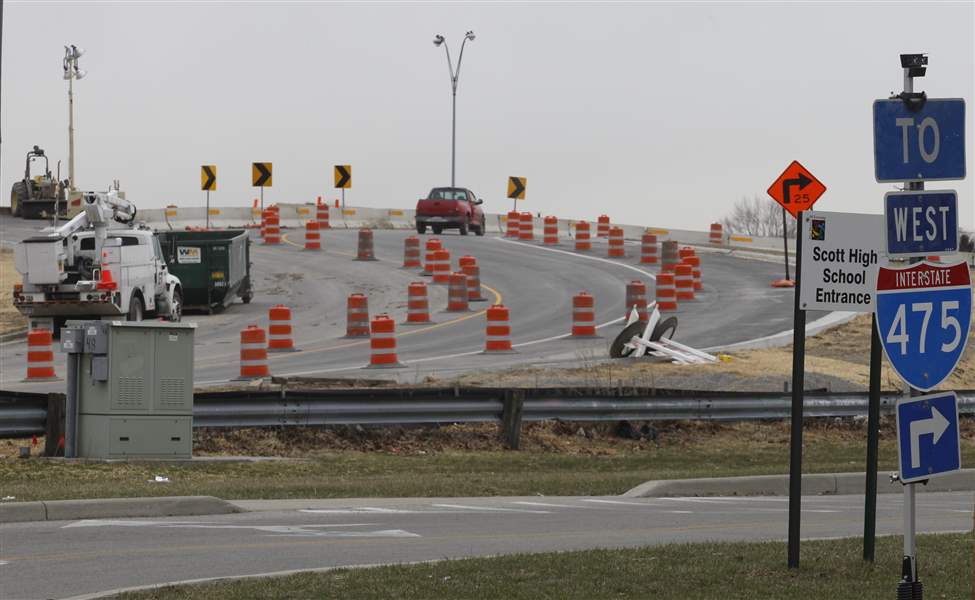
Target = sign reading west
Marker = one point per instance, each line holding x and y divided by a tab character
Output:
921	223
923	145
208	178
343	176
516	187
261	174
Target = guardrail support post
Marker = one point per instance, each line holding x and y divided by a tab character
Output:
54	428
514	400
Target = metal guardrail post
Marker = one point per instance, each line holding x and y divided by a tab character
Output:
54	428
514	401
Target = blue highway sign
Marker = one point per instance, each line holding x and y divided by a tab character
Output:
924	312
920	223
927	436
926	145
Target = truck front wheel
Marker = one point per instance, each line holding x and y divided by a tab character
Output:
135	309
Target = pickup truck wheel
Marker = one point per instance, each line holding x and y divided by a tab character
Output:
463	227
135	309
479	230
421	228
437	229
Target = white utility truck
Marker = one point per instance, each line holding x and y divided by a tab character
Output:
100	264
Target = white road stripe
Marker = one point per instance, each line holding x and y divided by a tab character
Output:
546	504
491	508
600	501
583	256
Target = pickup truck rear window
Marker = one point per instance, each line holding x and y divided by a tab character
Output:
448	194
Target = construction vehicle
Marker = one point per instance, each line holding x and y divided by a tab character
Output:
100	264
39	196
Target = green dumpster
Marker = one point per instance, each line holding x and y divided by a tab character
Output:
213	266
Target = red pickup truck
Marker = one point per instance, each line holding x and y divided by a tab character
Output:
449	208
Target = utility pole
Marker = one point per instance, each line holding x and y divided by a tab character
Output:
71	72
439	40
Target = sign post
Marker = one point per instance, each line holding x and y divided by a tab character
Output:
516	189
343	179
918	139
208	183
796	190
261	177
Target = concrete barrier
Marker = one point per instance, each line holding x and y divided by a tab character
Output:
114	508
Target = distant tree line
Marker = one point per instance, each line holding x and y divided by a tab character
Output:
966	243
760	217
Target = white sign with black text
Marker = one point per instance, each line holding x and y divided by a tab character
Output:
841	253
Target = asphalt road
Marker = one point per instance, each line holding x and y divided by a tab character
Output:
535	282
69	558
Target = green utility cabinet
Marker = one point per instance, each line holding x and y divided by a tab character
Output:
135	390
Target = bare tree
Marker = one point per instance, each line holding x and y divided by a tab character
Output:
760	217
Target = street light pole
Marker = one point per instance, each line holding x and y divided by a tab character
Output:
454	78
71	72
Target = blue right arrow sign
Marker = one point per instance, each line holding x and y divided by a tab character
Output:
928	441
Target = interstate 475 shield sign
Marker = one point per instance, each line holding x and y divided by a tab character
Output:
924	312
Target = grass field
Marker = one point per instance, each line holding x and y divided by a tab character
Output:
726	571
459	461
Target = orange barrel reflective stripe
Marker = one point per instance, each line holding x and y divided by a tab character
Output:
583	239
583	316
550	234
321	214
279	330
616	249
441	268
695	262
514	224
417	304
272	226
253	353
358	316
527	231
469	267
313	239
636	295
648	249
382	343
457	293
40	356
365	245
602	226
432	245
498	338
716	235
411	252
684	281
666	294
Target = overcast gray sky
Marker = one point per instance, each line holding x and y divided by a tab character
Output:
659	114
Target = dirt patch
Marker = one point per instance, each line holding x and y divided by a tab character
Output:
10	319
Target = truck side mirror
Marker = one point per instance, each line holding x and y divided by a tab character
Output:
479	201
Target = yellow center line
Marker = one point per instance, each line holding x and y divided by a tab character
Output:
276	356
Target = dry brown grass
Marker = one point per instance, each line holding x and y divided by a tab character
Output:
10	318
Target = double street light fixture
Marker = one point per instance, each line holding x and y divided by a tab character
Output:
71	72
439	40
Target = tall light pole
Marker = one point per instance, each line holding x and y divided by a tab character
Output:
71	72
454	77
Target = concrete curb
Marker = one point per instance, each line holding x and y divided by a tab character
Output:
813	484
18	334
113	508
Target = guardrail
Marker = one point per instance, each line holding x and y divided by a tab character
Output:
23	414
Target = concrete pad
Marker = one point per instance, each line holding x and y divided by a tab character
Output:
19	512
813	484
137	507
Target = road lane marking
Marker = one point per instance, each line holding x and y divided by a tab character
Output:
602	501
548	504
492	508
585	256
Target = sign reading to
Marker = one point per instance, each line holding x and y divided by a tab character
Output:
343	176
188	255
208	178
516	187
841	253
796	189
924	312
921	223
928	441
923	145
261	174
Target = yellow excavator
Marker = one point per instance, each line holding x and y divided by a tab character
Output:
39	196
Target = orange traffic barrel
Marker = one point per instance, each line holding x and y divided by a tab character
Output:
498	338
417	304
279	332
365	245
411	252
602	226
684	281
527	231
636	296
382	343
513	222
321	213
272	226
616	248
550	234
253	353
357	324
695	262
430	258
716	235
313	239
441	266
469	267
40	356
666	293
648	249
583	316
457	293
583	237
668	255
